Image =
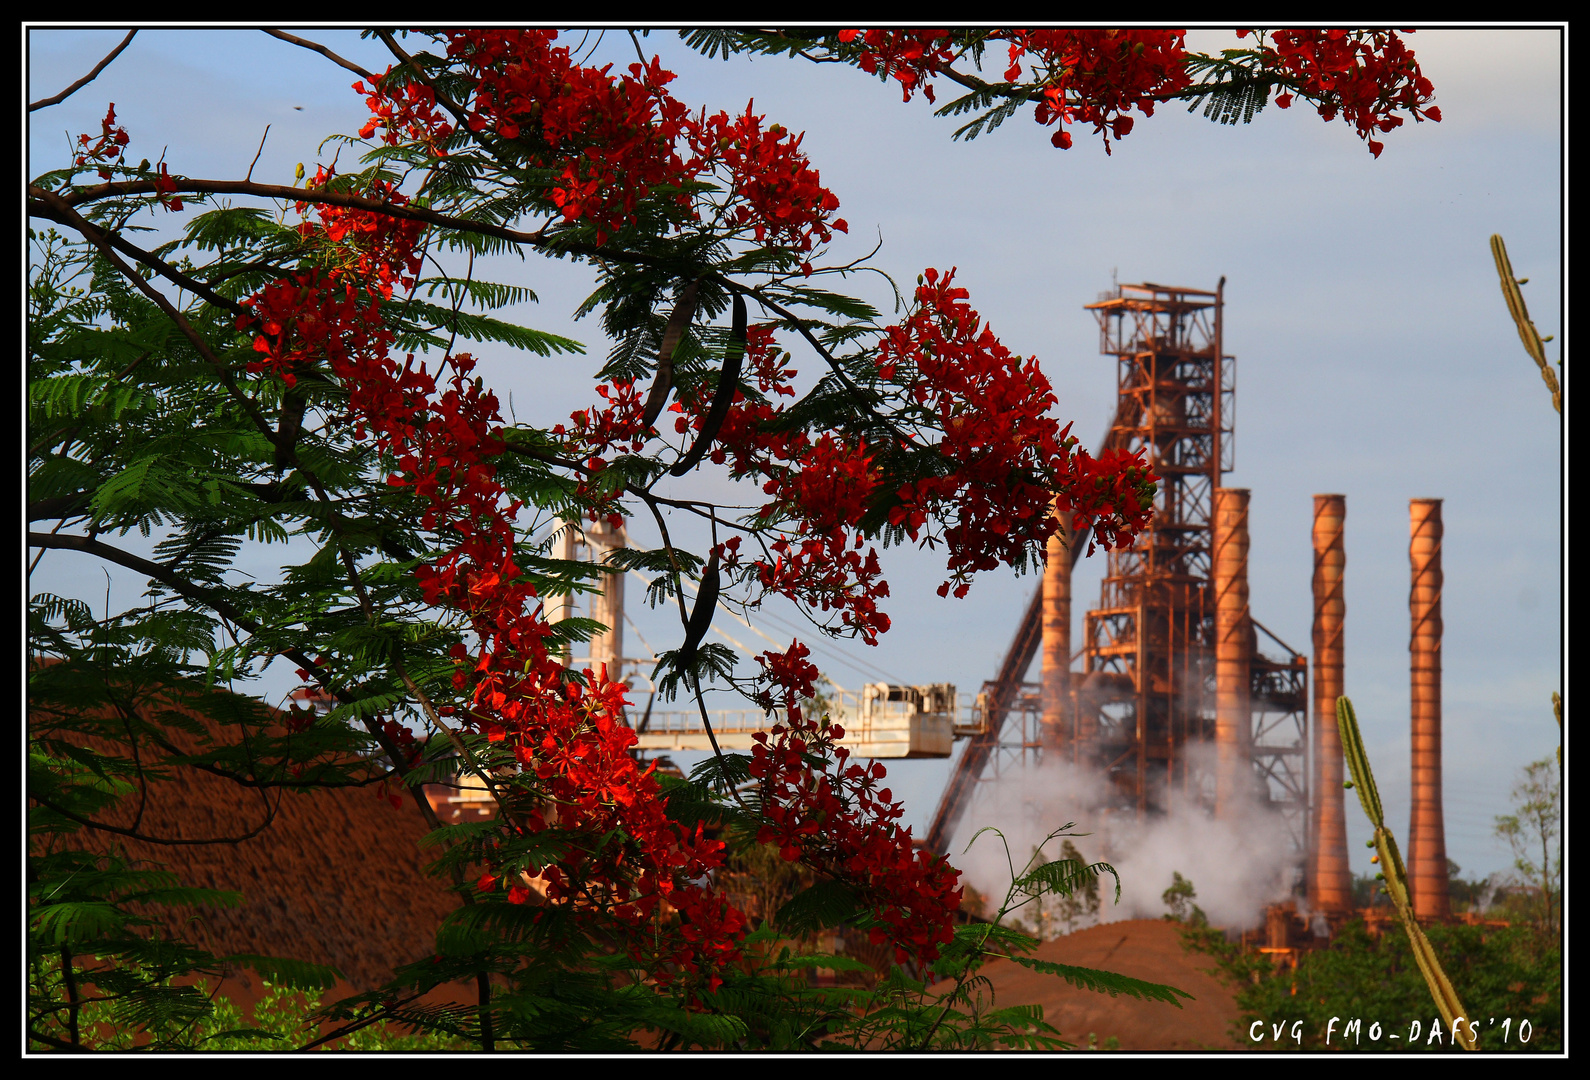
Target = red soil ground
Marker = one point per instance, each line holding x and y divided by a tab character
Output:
1144	949
338	877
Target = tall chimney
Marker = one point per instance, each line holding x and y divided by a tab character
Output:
558	608
1057	644
1233	653
1426	830
607	607
1330	879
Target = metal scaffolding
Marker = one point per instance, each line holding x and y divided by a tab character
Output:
1146	692
1147	686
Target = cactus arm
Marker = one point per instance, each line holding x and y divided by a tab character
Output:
1396	875
1533	343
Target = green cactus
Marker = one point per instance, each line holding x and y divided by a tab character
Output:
1556	707
1396	875
1534	344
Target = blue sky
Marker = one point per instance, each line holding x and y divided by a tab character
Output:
1374	353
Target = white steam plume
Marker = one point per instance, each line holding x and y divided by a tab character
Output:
1237	866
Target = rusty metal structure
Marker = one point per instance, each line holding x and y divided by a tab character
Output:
1147	688
1233	653
1144	692
1330	878
1056	641
1427	869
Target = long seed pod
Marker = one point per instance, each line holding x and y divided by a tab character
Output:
728	386
684	311
701	616
288	428
1396	875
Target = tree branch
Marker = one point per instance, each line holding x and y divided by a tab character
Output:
43	103
154	262
97	238
101	827
304	43
286	193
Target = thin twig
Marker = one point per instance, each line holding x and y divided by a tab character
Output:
250	174
323	51
350	1028
154	262
86	79
102	827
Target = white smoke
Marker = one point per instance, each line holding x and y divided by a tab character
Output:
1237	866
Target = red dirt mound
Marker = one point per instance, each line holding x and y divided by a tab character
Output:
1144	949
337	877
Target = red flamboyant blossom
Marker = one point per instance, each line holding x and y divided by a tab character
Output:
107	150
1365	75
1098	76
1092	76
604	143
831	814
110	148
907	56
612	141
1007	457
780	196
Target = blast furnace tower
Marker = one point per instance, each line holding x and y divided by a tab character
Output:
1144	710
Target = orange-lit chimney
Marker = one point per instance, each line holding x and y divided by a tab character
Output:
1427	876
1330	878
607	606
1057	644
1233	652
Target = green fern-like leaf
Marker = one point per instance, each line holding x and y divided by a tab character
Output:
1106	982
825	904
1063	876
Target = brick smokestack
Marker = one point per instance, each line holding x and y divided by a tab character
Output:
607	607
1427	876
1330	877
1057	644
1233	653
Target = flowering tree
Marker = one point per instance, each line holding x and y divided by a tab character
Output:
291	367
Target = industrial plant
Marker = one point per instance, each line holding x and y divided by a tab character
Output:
1175	695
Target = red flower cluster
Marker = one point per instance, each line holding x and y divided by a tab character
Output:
819	487
832	815
1365	75
1114	495
107	150
406	111
629	857
375	248
598	431
1095	76
110	148
1098	76
1008	458
825	490
909	57
1009	462
608	142
783	197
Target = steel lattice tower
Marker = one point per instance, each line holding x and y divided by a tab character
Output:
1145	689
1143	708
